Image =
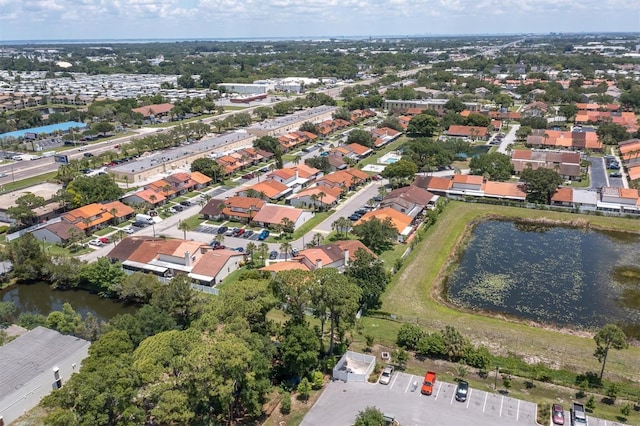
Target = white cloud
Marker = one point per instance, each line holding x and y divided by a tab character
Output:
238	18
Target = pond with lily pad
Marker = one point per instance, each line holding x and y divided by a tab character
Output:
557	275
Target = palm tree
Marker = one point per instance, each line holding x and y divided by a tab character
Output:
166	190
86	221
321	195
285	247
313	199
264	249
153	199
184	226
251	248
219	238
113	212
297	159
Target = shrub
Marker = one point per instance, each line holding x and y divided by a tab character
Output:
285	404
432	345
304	389
317	380
591	403
408	336
3	229
479	357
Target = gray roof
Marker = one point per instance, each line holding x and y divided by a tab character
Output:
308	114
32	354
173	154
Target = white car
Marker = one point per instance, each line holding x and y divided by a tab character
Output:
385	377
96	243
128	230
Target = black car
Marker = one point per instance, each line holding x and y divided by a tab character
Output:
88	154
139	224
178	208
186	203
222	229
273	255
354	217
462	390
248	233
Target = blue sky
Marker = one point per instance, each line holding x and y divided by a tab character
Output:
118	19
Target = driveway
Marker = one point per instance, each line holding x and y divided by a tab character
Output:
598	172
340	403
509	138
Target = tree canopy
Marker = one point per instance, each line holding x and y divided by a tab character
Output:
85	190
540	184
378	235
494	166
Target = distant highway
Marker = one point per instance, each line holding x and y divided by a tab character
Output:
19	170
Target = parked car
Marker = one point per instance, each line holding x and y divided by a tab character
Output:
428	383
385	377
171	210
615	174
186	203
96	243
248	176
104	240
248	233
128	230
139	224
273	255
462	390
355	217
88	154
222	229
239	249
153	213
613	166
557	414
264	234
238	232
178	208
231	232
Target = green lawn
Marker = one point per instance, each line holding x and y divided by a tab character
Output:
311	223
414	294
25	183
104	231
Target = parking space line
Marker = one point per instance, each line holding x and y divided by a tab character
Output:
410	382
452	395
438	391
394	381
486	394
518	411
469	397
501	402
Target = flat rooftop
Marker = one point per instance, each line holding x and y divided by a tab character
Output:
32	354
168	156
307	114
44	190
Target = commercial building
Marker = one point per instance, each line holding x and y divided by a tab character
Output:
33	365
403	106
290	123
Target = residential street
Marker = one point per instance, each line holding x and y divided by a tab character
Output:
510	138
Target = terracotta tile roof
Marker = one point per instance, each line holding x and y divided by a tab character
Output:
634	172
285	266
146	195
96	213
400	220
283	173
211	262
468	179
270	188
504	189
359	149
240	206
128	246
305	171
563	195
200	178
411	193
331	195
474	131
433	182
273	214
156	109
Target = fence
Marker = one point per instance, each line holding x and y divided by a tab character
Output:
354	367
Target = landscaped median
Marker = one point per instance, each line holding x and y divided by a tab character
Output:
414	295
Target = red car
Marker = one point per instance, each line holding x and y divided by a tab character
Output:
104	240
557	414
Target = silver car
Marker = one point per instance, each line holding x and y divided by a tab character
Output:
385	377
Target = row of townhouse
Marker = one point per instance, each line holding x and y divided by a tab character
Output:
560	139
630	155
241	159
566	163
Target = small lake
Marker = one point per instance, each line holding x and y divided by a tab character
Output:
572	277
41	299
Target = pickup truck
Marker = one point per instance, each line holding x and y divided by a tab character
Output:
429	382
578	415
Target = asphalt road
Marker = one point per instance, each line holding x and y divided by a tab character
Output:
340	403
509	138
599	177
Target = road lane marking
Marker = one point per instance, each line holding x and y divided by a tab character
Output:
438	391
486	394
518	411
469	398
501	402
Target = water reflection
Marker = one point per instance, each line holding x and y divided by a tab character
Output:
40	298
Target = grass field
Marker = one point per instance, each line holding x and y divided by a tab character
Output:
414	294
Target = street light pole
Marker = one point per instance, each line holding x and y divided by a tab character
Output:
495	382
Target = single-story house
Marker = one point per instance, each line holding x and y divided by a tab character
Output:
272	215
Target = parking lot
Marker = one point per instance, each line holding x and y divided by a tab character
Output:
341	402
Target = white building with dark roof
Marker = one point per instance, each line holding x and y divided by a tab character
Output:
33	365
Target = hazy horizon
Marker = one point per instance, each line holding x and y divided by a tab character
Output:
68	20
